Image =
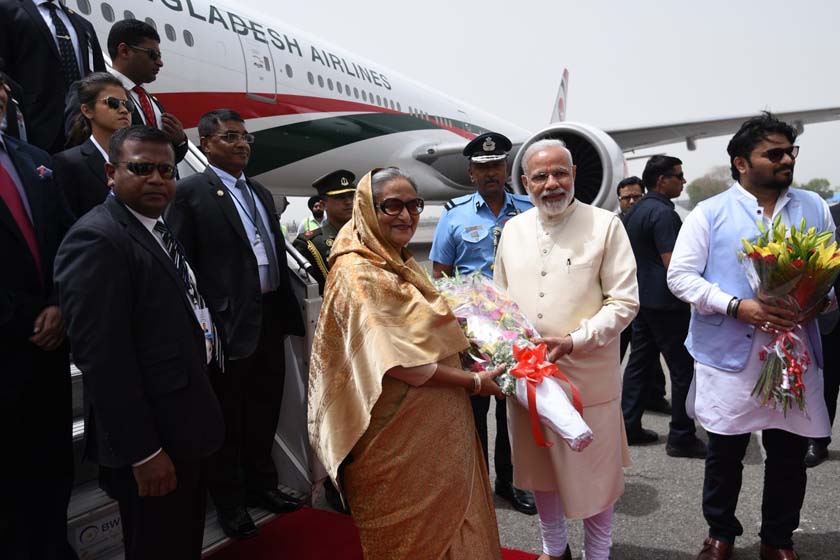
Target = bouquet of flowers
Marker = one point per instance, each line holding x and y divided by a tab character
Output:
794	271
500	335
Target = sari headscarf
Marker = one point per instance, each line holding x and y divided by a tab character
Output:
380	310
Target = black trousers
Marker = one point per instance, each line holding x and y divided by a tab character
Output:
36	472
784	486
659	332
250	391
831	374
654	391
501	460
167	527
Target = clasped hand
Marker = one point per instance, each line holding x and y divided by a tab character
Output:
558	346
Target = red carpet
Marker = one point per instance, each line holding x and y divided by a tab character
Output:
310	534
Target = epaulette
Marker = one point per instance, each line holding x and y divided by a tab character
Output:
312	233
450	204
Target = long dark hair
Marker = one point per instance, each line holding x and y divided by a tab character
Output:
89	88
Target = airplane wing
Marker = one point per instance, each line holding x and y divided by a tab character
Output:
645	137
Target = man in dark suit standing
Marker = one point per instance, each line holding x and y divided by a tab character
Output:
36	474
134	48
46	47
142	337
818	448
226	223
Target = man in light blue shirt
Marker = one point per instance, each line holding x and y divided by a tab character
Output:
465	240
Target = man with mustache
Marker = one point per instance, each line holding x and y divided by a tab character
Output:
226	223
662	322
465	240
730	326
570	268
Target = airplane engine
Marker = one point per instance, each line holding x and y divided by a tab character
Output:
599	160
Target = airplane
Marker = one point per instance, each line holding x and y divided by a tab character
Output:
314	107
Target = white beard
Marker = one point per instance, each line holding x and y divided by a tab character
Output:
551	209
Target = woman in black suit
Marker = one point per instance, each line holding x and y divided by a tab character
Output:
80	171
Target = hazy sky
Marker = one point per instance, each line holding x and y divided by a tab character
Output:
631	63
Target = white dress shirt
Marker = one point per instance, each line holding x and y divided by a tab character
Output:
74	38
720	400
129	85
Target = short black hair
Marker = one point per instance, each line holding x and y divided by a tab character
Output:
210	122
632	180
750	135
130	32
312	201
139	133
656	167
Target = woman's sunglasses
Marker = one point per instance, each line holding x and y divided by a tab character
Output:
394	206
115	102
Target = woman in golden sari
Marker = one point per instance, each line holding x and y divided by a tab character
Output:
389	413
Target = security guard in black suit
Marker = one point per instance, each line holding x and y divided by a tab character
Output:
337	190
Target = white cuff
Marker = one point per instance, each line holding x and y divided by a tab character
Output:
147	459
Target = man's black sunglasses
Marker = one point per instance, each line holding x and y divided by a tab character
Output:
776	154
146	168
394	206
154	54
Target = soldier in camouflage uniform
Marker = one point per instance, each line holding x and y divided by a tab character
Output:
337	190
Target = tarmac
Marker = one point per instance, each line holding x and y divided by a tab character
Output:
659	517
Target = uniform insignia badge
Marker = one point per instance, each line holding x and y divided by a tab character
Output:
344	182
329	242
220	193
488	145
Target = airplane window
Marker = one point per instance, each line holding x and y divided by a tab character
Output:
188	38
356	92
391	103
339	88
364	95
289	72
170	32
107	12
378	100
151	22
347	90
311	78
128	15
267	64
84	6
399	107
320	81
330	83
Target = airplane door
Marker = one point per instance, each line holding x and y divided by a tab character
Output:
465	119
260	78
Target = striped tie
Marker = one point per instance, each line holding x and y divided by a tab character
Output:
69	63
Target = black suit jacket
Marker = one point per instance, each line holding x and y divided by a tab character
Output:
71	112
211	231
80	173
23	292
136	340
32	58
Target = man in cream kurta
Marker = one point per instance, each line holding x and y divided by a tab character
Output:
571	269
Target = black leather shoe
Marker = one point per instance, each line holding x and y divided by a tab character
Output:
642	437
817	453
694	450
521	500
660	405
236	523
273	500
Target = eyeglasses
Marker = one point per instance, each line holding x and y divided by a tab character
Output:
680	175
234	137
394	206
154	54
146	168
541	178
630	197
115	102
776	154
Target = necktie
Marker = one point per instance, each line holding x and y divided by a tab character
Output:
11	196
146	105
176	253
262	230
69	63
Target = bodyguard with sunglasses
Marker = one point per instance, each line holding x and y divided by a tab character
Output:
662	322
226	223
143	338
729	327
134	48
